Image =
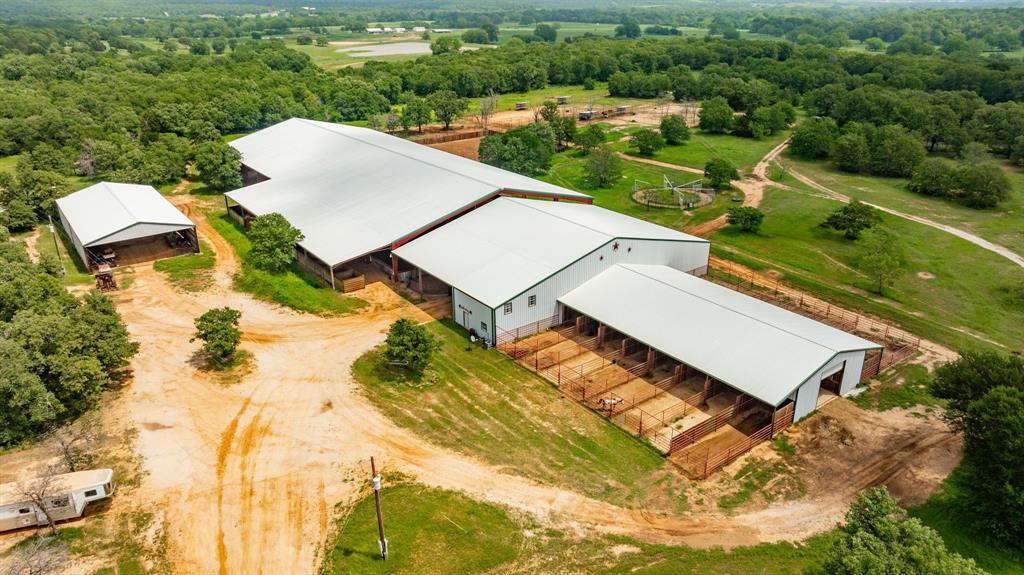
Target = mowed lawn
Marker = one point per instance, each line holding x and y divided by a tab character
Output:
446	533
744	153
569	168
293	288
971	291
1003	225
480	403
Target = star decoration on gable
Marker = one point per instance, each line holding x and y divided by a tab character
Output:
615	246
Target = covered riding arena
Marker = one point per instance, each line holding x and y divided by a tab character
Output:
358	194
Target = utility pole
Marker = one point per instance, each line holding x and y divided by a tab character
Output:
56	245
382	542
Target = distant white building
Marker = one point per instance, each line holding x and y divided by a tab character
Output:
374	31
419	28
399	30
441	30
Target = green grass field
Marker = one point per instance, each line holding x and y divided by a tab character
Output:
904	387
568	170
579	97
968	295
294	288
478	402
7	163
744	153
443	532
77	273
189	273
1003	225
943	513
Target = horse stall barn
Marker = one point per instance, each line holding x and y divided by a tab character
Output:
356	194
112	224
509	261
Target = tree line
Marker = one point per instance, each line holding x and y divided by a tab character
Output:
58	352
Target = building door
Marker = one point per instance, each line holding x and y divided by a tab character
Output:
465	318
833	378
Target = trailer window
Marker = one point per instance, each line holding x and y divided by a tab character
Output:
90	493
23	510
59	501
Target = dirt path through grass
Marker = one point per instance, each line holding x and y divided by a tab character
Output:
976	240
246	476
752	186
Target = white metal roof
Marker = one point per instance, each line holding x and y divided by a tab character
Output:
108	211
11	492
503	248
755	347
353	190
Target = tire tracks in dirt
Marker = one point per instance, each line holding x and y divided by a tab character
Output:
246	474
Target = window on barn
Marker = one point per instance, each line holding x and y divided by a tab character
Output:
90	493
531	301
508	308
483	326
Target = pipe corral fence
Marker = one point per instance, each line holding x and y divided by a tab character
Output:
586	366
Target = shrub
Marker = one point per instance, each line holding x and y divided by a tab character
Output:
410	345
646	141
273	242
746	218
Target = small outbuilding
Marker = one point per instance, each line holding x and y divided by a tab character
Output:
121	224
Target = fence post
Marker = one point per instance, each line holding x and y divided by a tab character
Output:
640	431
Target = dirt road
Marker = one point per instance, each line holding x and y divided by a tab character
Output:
976	240
752	185
246	476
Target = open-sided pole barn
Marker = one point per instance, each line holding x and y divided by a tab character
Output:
122	224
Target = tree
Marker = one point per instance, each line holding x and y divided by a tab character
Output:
814	138
445	45
199	48
219	165
991	479
417	111
40	555
716	115
546	32
74	444
218	330
933	177
646	141
447	106
851	152
526	150
874	44
878	537
895	152
492	32
410	345
719	172
628	29
273	242
475	36
488	104
982	185
674	129
42	492
746	218
25	403
973	375
590	138
851	219
304	40
881	261
604	167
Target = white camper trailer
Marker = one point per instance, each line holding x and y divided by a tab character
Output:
71	492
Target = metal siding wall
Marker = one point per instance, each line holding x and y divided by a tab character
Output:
479	313
684	256
74	238
852	371
807	397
